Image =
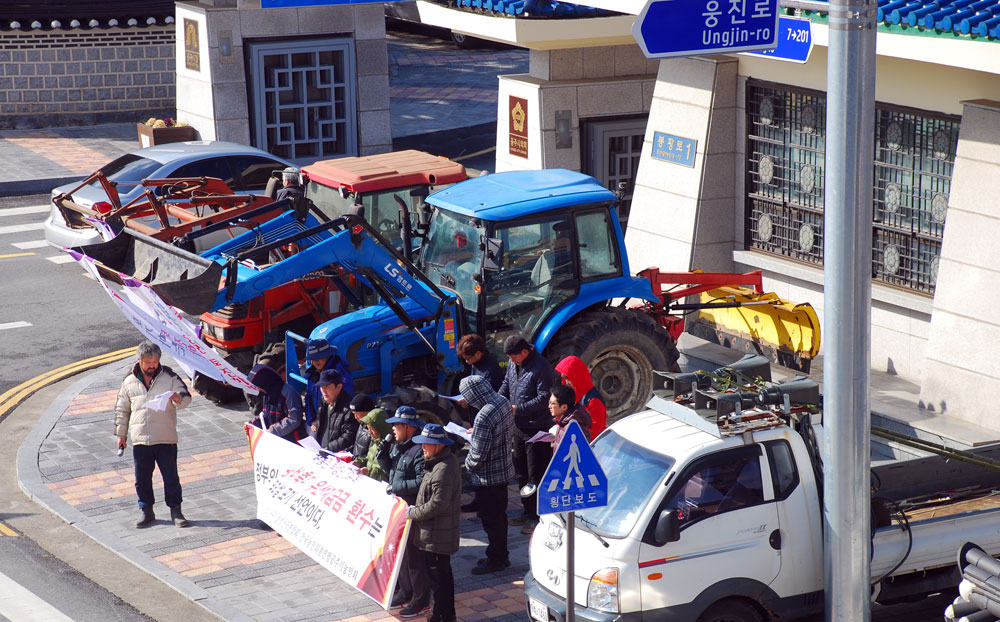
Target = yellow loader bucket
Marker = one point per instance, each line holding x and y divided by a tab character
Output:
787	333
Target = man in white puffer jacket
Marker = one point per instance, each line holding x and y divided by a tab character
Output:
153	431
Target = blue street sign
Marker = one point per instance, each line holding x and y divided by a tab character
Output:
795	41
574	479
668	28
674	149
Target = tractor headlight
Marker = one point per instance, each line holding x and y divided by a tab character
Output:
602	593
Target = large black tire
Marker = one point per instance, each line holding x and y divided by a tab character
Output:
733	610
622	348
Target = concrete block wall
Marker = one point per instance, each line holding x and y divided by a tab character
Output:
962	369
82	77
590	83
684	217
214	99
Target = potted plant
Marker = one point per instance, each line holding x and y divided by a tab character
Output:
159	131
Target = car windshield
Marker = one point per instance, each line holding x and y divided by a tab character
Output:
128	171
451	256
634	473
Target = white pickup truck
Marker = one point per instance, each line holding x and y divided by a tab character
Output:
714	514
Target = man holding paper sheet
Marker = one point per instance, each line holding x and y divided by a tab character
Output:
146	412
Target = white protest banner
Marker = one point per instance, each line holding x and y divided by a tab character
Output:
341	519
164	325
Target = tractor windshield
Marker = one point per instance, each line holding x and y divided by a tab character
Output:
380	208
452	257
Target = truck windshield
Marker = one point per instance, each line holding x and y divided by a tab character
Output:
634	473
452	258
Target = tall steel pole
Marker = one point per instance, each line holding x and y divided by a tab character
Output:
847	264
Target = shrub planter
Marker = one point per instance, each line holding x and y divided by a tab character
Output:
149	136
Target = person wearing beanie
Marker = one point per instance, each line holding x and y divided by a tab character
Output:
336	427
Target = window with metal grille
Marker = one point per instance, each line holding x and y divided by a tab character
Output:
914	158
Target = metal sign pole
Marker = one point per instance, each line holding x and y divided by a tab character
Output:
570	570
850	135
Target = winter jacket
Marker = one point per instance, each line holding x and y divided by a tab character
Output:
579	414
488	368
406	468
313	398
144	426
527	387
587	394
337	426
436	512
361	441
376	419
489	461
281	406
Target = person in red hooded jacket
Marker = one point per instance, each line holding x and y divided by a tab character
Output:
574	373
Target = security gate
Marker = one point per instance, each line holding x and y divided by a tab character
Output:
612	150
302	98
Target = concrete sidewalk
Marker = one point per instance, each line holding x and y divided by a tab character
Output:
226	561
433	87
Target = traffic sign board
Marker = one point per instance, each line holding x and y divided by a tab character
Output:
668	28
574	479
795	41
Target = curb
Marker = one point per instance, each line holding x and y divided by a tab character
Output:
29	480
34	186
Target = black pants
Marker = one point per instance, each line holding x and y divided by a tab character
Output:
442	584
493	514
413	573
165	458
530	462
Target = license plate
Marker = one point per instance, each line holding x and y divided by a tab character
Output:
538	610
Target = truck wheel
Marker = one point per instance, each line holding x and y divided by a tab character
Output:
622	348
732	610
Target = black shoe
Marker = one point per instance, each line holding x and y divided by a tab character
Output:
147	518
472	506
491	565
517	521
178	517
412	610
399	600
485	560
437	618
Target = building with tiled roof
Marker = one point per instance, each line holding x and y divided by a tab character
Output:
66	15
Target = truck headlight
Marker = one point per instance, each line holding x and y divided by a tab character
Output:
602	593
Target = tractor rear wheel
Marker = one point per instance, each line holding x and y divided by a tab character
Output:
622	348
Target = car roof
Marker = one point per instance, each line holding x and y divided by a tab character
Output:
512	194
198	149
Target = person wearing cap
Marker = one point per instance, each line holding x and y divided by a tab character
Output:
281	406
322	356
436	516
527	383
405	464
336	426
361	405
291	186
490	467
378	429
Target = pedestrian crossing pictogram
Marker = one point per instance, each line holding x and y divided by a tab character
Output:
574	479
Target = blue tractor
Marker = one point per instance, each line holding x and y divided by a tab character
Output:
539	253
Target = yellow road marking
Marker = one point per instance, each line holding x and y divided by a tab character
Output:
8	256
14	396
7	531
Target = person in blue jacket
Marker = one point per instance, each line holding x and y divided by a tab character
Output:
281	406
322	356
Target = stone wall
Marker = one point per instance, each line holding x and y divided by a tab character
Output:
81	77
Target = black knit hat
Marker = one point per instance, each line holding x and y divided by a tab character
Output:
362	403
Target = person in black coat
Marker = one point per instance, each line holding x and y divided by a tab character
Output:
472	350
336	427
361	405
527	384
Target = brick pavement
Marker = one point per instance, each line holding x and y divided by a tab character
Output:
227	560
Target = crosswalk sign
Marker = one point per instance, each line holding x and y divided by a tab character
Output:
574	480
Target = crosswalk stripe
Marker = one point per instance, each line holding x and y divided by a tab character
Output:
24	246
7	531
30	209
61	259
18	603
14	325
22	228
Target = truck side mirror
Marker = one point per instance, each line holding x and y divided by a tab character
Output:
494	254
667	528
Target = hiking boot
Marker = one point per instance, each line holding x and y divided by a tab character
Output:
178	517
491	565
412	610
485	560
147	518
529	526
